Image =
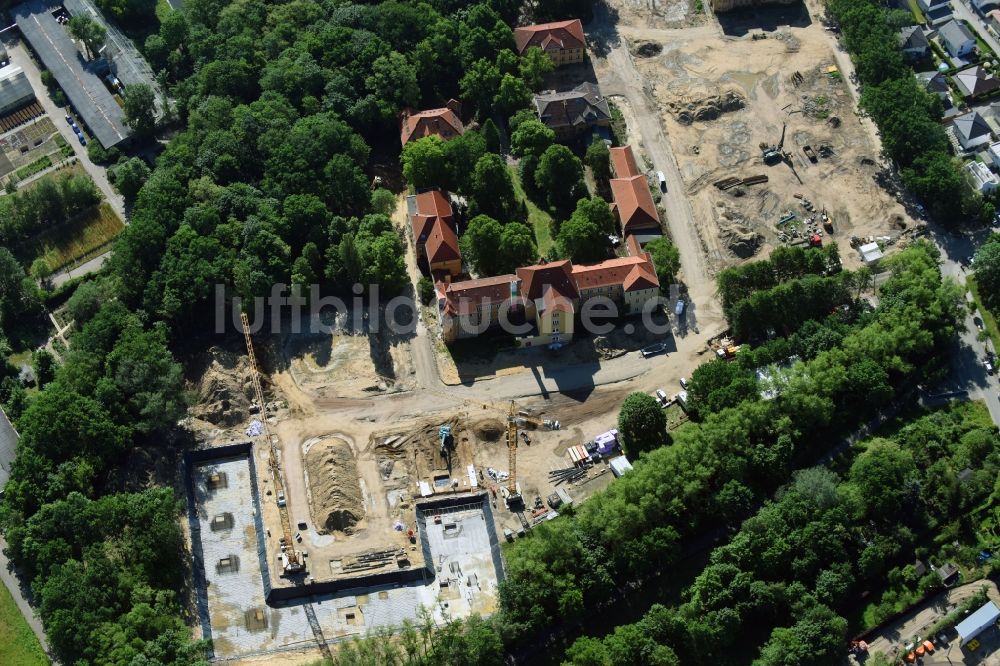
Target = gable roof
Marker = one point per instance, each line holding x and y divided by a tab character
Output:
623	162
583	105
550	36
971	126
555	274
443	122
442	244
463	297
912	37
975	81
933	81
955	33
631	273
429	207
634	203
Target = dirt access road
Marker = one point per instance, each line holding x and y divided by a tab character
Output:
622	78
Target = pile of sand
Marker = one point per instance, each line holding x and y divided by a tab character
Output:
225	390
687	109
335	494
737	236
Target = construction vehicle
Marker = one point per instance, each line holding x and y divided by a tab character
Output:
774	154
810	153
292	561
445	435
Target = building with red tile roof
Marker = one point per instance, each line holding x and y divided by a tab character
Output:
623	162
434	235
633	203
443	122
555	274
563	41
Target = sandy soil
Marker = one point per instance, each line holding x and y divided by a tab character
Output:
781	81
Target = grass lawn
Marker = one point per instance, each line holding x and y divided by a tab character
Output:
915	8
540	221
80	239
18	645
989	320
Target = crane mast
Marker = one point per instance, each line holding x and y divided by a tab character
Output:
291	559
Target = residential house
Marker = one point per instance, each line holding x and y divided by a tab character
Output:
550	295
913	42
993	21
563	41
629	281
983	7
976	81
981	178
633	202
573	112
443	122
928	5
939	15
547	295
957	39
434	232
470	307
934	82
994	152
972	131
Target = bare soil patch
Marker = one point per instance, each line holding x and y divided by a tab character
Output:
332	478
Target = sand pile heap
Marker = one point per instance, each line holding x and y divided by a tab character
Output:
225	390
688	109
335	494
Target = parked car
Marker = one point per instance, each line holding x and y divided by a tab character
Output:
653	350
684	383
83	142
663	181
661	396
679	308
989	366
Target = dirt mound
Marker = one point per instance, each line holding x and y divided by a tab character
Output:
335	494
687	109
490	430
646	49
741	241
225	390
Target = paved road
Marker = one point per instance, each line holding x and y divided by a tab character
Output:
968	370
622	78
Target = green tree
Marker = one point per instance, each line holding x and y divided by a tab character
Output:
535	66
85	302
425	163
140	109
560	177
88	31
666	260
596	211
531	138
492	189
491	135
480	84
598	158
512	95
582	241
425	290
517	247
129	176
987	272
383	201
641	424
393	80
44	365
480	244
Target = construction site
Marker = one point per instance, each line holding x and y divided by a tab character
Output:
766	136
313	520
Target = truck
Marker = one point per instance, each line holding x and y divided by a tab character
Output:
663	181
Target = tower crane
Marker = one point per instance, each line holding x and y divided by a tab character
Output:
292	561
515	418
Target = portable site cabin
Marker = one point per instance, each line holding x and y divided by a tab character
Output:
619	465
975	624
